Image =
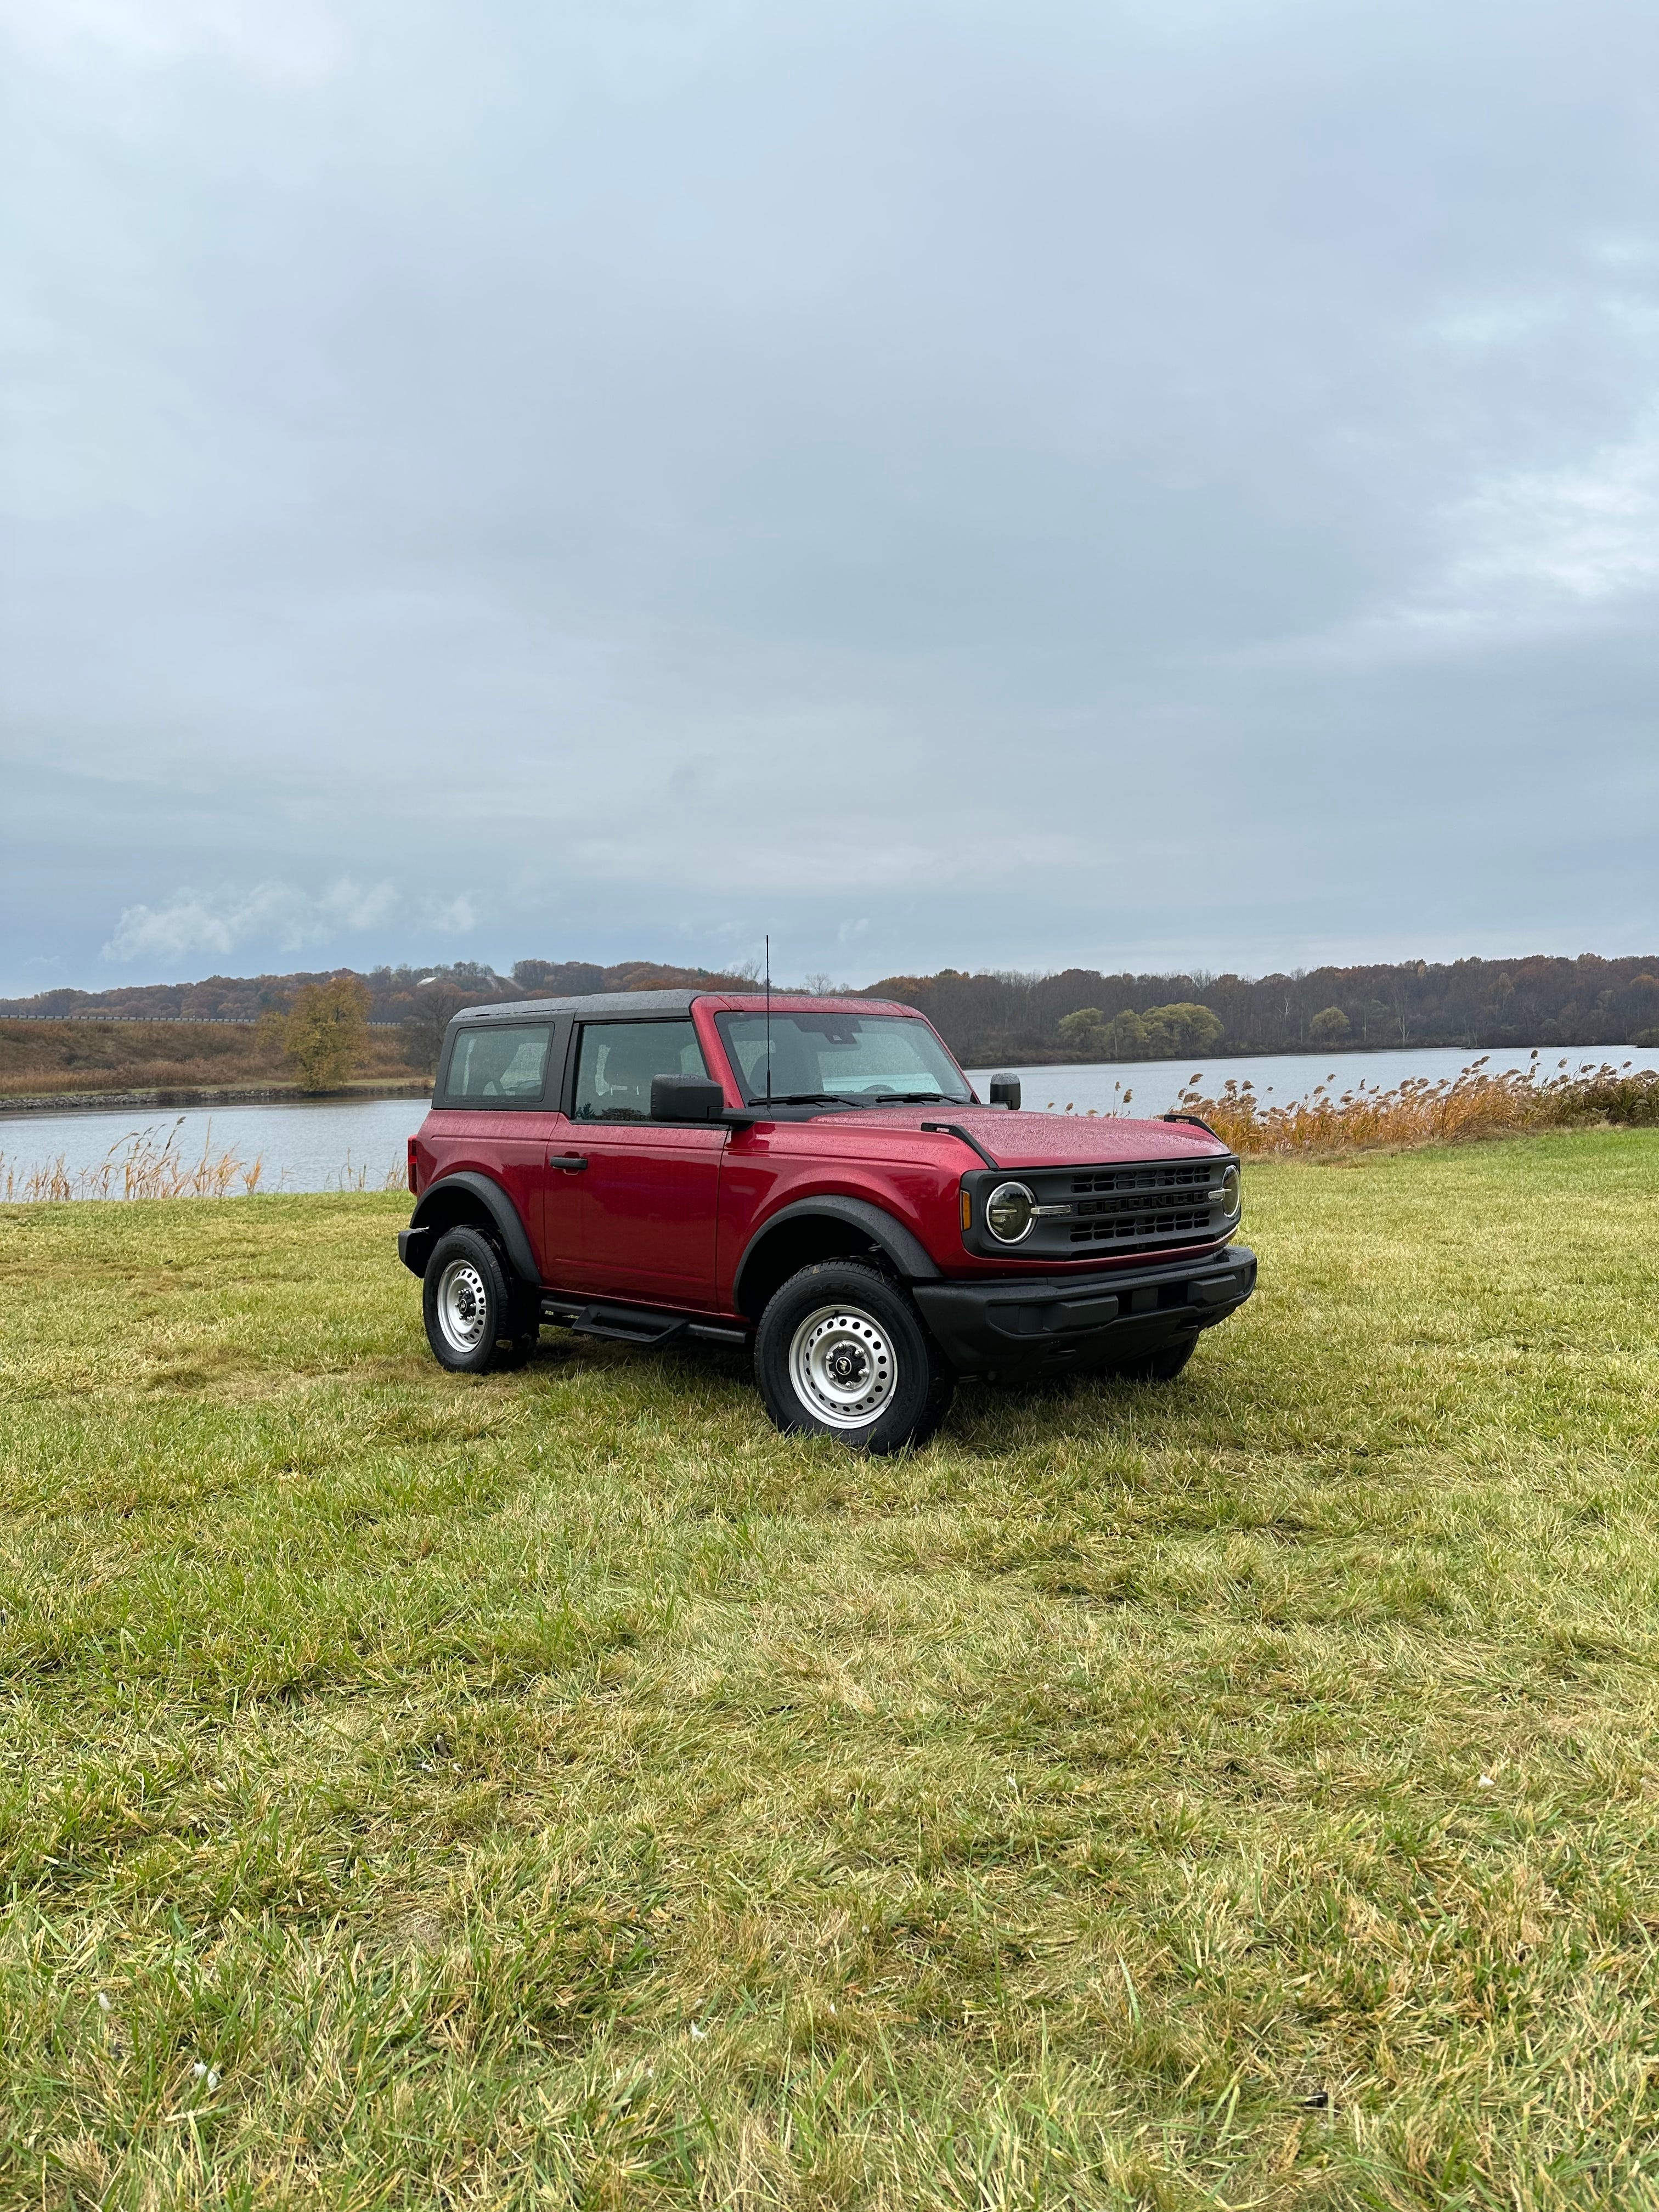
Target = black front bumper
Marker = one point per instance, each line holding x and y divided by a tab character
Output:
1050	1320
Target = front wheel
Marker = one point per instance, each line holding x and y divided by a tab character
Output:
841	1352
474	1313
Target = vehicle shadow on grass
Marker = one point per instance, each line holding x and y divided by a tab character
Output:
987	1420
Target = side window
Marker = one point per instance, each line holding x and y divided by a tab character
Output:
618	1059
498	1064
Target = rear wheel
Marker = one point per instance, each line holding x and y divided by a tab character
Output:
1160	1366
841	1351
477	1313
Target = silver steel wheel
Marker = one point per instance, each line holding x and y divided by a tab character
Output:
843	1365
462	1306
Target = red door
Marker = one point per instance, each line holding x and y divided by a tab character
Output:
644	1208
647	1204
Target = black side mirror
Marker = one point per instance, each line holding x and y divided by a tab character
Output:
1004	1092
686	1098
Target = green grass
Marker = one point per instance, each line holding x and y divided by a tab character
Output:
557	1789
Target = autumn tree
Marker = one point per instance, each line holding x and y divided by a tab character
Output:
1181	1028
328	1031
1084	1033
1329	1026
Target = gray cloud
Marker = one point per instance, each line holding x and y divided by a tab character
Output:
1148	484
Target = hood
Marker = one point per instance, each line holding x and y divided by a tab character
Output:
1051	1140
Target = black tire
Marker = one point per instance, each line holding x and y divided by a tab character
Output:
839	1337
475	1309
1160	1366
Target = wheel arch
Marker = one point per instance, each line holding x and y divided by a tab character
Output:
463	1197
827	1228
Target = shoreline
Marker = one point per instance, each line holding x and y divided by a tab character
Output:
194	1098
1224	1051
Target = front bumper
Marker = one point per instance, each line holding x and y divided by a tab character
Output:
1048	1321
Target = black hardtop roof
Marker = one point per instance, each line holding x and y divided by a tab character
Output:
668	1002
597	1002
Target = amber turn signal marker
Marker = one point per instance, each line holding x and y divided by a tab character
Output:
967	1213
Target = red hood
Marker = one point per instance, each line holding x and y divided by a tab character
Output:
1049	1140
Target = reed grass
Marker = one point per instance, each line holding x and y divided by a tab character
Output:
1473	1104
144	1165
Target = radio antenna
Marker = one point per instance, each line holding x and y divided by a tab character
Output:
769	1018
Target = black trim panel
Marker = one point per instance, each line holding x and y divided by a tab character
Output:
906	1253
433	1203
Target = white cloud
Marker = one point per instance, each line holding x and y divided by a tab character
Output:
458	916
1530	554
284	41
359	906
217	922
1588	534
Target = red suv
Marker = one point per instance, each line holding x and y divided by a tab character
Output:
814	1178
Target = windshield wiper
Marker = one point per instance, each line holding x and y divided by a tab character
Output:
806	1098
858	1098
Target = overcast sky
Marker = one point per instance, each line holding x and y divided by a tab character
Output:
1013	485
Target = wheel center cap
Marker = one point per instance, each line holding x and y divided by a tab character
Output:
846	1364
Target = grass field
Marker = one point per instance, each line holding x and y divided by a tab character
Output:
556	1789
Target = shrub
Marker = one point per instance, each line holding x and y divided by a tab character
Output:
1173	1031
1161	1033
1328	1026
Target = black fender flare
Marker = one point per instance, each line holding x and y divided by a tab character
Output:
908	1254
434	1200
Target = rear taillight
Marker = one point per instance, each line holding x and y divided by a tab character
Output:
412	1183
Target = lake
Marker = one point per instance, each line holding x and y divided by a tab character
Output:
360	1143
1283	1076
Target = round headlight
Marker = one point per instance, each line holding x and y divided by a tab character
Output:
1227	1193
1008	1212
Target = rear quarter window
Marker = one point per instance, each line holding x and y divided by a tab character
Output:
497	1064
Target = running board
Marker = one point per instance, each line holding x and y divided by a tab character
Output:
636	1324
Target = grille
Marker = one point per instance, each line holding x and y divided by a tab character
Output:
1131	1205
1195	1178
1126	1221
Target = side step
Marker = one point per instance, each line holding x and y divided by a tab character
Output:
636	1324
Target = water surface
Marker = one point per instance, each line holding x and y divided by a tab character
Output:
314	1145
361	1143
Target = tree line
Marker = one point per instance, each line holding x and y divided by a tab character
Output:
1084	1014
1003	1016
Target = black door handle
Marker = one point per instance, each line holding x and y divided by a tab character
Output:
571	1162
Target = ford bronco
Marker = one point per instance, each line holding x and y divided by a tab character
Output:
813	1179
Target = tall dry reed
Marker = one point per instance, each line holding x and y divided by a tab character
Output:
146	1164
1457	1108
1418	1111
142	1165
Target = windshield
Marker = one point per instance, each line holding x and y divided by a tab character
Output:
871	1059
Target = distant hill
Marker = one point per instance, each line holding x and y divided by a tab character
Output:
1005	1017
396	994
